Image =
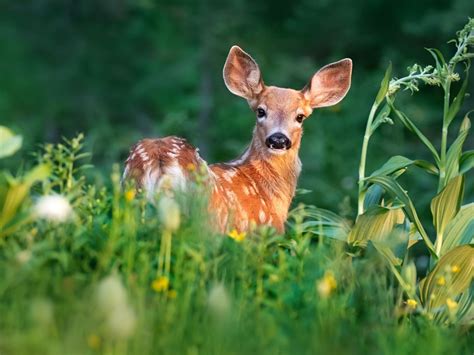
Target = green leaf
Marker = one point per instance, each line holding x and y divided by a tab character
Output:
17	193
455	151
393	188
302	191
445	206
384	85
9	143
375	224
460	230
414	235
399	162
373	196
411	126
393	164
386	252
451	276
438	57
382	117
457	102
466	162
38	173
409	275
427	166
325	223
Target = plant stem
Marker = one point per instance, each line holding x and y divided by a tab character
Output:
412	77
363	158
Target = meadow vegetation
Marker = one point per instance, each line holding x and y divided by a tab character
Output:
90	268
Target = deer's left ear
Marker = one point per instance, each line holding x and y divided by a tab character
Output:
330	84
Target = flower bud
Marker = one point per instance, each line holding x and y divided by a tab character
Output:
169	213
54	208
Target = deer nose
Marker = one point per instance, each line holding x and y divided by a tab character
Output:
278	141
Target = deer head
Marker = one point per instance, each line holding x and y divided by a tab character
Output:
281	112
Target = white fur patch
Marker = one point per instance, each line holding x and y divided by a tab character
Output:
229	174
149	182
125	173
142	153
176	173
262	216
246	190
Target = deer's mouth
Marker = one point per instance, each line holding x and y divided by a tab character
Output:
277	151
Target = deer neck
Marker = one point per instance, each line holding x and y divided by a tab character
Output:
276	174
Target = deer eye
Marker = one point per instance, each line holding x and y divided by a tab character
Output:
261	112
299	118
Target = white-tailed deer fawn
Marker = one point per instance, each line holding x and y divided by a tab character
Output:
259	185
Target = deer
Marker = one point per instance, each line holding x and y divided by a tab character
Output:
258	186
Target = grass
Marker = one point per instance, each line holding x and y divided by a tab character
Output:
89	285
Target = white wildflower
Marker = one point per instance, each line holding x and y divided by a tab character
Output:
23	256
169	213
121	322
54	208
219	301
111	294
112	301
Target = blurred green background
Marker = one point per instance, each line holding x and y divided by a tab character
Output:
121	70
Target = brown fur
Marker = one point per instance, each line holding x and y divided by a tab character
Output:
257	187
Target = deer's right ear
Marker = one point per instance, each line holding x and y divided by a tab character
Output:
242	75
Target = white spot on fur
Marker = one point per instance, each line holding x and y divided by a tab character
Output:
149	182
252	190
176	173
142	153
298	166
229	174
125	173
246	190
231	195
262	216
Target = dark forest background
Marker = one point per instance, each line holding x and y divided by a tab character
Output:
121	70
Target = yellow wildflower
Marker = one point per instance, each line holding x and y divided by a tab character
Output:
238	237
129	195
160	284
452	305
326	285
172	294
411	303
455	269
191	167
93	341
441	281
